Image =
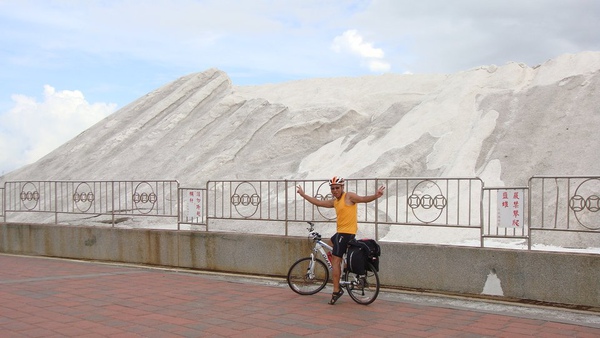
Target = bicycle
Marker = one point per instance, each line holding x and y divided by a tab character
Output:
309	275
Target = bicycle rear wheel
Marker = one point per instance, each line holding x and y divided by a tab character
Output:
363	289
302	281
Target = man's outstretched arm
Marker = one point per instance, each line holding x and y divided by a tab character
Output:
315	201
366	199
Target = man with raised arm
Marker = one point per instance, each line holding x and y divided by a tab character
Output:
347	223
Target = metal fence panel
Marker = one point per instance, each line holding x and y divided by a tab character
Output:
422	201
565	203
149	198
256	200
452	202
30	196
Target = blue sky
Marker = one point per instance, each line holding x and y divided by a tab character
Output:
65	65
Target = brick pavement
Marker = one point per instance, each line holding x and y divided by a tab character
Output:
42	297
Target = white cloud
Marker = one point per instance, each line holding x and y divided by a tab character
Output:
32	129
352	42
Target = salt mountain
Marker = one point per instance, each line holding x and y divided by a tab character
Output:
501	123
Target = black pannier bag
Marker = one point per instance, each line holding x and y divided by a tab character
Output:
360	252
373	251
356	258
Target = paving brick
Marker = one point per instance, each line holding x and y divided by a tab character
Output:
43	297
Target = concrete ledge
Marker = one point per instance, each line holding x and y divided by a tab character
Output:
566	278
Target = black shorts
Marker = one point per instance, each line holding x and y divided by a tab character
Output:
340	243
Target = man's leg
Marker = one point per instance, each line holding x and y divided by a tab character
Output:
337	272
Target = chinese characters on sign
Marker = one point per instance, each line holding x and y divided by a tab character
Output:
194	203
510	208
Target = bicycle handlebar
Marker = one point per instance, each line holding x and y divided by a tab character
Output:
311	233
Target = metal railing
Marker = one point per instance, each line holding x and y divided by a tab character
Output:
99	198
444	202
565	204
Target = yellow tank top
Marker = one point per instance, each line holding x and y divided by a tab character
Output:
346	216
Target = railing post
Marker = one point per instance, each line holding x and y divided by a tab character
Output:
481	218
205	213
179	216
286	207
112	208
376	211
55	204
529	214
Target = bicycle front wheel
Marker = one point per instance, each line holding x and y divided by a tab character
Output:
307	277
363	289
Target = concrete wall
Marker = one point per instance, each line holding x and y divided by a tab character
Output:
542	276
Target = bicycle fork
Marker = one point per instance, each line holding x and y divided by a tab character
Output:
310	272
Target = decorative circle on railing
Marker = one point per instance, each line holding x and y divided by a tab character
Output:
577	203
440	202
245	199
586	208
144	198
327	213
413	201
593	203
83	197
30	196
426	208
426	202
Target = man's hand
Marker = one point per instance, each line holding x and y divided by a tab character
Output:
380	191
299	190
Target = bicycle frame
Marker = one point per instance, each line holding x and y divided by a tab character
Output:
320	247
